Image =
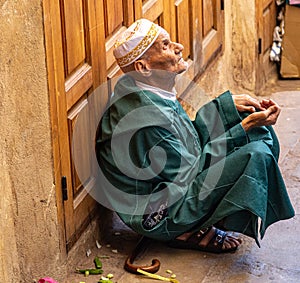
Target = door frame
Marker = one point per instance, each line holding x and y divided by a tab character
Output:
54	61
264	67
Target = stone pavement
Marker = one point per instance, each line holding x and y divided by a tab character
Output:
278	259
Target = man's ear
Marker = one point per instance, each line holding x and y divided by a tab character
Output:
142	67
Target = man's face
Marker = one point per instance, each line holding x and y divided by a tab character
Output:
165	55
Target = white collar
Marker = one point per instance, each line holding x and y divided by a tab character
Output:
170	95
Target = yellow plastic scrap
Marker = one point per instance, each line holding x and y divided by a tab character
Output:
158	277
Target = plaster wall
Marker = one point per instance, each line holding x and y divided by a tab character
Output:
235	69
29	241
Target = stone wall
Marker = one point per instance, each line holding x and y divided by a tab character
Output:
29	232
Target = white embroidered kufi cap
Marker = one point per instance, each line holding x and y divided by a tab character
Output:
135	41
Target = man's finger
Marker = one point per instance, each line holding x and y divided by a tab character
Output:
274	108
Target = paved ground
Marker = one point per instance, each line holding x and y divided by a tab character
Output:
278	259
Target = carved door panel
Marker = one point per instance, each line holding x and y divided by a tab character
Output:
154	10
212	30
118	15
266	21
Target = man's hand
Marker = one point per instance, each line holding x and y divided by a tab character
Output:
247	103
266	117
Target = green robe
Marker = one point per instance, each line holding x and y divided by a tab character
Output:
182	175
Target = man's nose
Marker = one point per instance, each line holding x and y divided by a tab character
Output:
178	47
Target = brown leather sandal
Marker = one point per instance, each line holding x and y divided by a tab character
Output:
194	241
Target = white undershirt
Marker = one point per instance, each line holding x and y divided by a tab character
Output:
160	92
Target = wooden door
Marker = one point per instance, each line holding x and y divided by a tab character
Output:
266	21
74	43
80	35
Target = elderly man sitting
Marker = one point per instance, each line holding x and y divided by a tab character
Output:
182	181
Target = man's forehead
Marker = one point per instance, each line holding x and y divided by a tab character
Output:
164	34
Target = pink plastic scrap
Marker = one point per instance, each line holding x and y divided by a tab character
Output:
47	280
294	2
